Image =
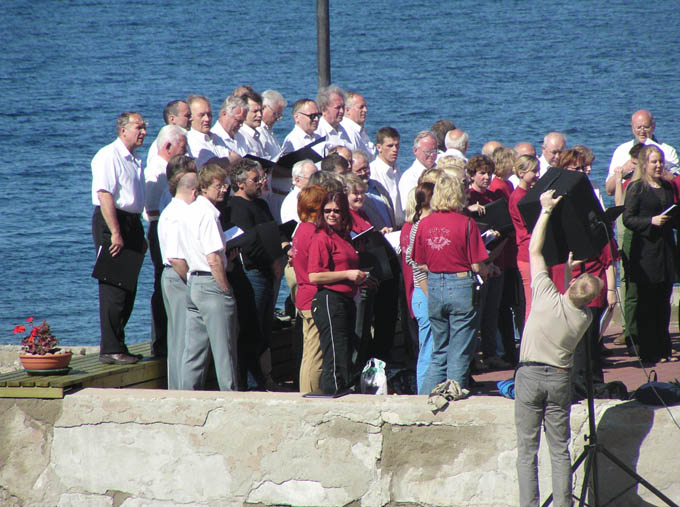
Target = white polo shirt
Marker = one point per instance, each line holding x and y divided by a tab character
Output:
296	139
358	137
270	145
621	154
334	136
119	172
201	234
169	227
248	142
203	147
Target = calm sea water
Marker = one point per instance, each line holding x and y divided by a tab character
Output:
509	71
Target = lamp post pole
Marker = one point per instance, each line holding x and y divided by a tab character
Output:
323	39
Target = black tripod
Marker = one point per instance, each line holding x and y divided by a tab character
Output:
593	448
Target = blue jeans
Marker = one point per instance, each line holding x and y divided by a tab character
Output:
454	323
419	305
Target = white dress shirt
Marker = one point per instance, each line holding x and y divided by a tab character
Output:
228	141
169	227
119	172
249	142
153	151
409	180
388	177
270	145
296	139
621	154
334	137
359	139
155	181
289	206
203	147
201	234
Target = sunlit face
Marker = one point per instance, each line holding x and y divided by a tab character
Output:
201	116
254	114
232	122
307	118
389	150
133	133
481	180
426	152
335	110
553	148
357	112
655	166
642	125
361	168
356	197
331	214
216	191
272	114
183	116
307	171
529	177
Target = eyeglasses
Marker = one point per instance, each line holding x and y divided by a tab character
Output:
331	210
257	179
429	153
277	116
313	116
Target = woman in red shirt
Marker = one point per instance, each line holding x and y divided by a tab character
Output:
309	206
449	246
333	265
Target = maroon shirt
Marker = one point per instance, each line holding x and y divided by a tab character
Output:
299	258
522	236
502	186
360	221
331	252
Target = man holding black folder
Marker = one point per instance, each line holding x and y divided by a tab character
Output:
118	197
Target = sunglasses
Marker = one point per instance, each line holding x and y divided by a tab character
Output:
332	210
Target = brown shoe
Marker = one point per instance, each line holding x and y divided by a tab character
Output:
117	359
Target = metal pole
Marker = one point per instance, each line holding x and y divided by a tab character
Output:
323	41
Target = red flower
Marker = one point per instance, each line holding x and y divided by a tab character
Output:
19	329
29	320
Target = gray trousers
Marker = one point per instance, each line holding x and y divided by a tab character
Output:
175	300
543	395
211	325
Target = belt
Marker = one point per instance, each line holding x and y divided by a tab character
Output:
536	363
200	273
464	274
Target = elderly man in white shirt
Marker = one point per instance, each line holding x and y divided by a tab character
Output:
554	143
354	123
273	105
456	142
384	168
175	270
248	138
172	140
306	116
202	145
302	170
229	120
118	197
176	112
211	322
425	150
642	124
331	102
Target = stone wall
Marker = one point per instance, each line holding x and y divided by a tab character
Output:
147	447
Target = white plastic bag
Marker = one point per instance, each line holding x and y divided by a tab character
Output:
373	378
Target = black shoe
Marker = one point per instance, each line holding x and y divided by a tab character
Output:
117	359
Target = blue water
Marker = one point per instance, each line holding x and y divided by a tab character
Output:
509	71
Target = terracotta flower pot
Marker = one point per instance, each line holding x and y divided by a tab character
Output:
45	362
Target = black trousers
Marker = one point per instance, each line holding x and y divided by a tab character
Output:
334	316
159	319
115	303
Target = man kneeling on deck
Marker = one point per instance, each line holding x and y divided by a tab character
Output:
555	325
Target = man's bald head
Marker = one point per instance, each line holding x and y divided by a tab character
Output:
642	124
554	143
490	147
457	139
525	149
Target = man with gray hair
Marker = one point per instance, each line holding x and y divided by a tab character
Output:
354	123
231	116
172	140
273	105
302	170
456	142
176	112
331	101
425	150
202	145
248	138
554	143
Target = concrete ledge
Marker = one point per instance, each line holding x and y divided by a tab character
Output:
150	447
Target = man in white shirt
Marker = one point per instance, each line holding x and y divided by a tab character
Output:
211	322
118	197
642	123
248	138
554	143
331	102
385	170
176	112
302	170
306	116
202	144
456	142
175	270
425	150
229	120
172	140
273	105
354	123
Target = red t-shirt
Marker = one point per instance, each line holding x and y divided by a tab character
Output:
360	221
441	243
406	269
299	257
330	252
522	236
502	186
